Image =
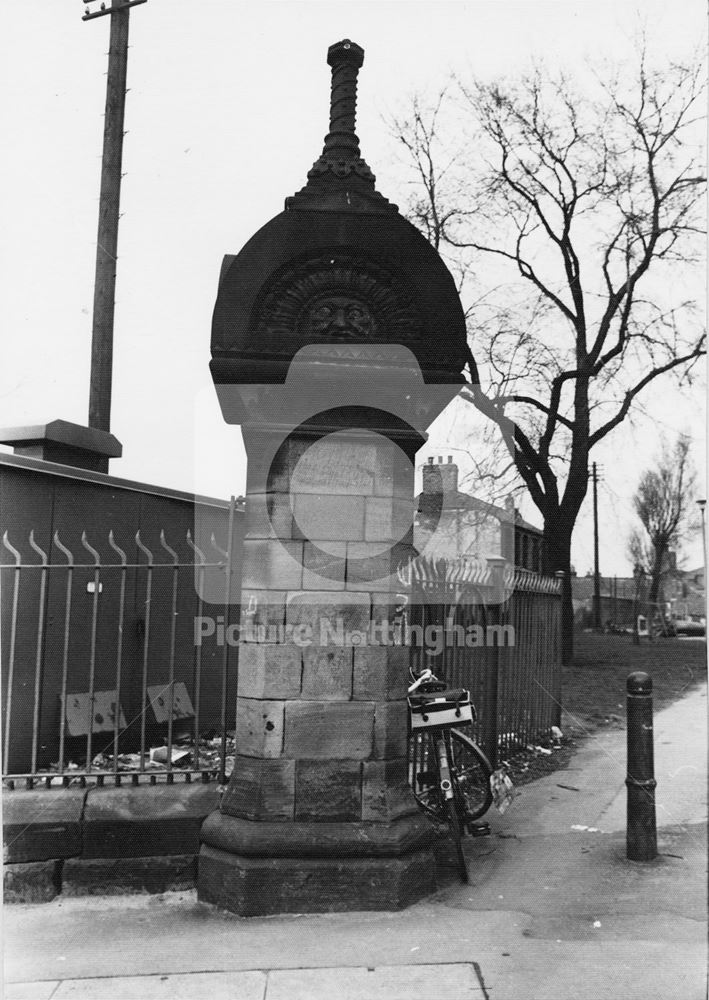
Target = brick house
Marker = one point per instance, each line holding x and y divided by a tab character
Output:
451	523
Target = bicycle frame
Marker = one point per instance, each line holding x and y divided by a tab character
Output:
444	773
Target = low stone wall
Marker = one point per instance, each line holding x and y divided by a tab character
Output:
102	840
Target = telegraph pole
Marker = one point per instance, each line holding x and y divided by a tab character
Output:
596	571
109	212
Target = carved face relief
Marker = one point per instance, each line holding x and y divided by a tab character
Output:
335	298
338	317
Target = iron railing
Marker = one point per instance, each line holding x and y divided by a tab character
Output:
119	690
107	693
512	665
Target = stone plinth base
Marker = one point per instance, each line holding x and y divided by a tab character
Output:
252	886
259	868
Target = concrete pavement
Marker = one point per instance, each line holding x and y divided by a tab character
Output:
553	911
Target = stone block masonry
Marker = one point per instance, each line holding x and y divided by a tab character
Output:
322	350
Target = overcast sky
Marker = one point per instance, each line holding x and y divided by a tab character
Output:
227	109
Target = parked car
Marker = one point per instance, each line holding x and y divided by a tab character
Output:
694	625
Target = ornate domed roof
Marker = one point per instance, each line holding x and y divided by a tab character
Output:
338	265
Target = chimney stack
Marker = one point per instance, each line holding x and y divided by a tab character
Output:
440	477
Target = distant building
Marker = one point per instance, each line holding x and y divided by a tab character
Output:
682	596
450	523
684	591
617	600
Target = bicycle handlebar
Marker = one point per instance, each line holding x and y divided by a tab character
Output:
427	675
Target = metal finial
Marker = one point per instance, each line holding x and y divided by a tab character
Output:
340	174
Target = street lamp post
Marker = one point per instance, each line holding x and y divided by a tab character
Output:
638	574
702	504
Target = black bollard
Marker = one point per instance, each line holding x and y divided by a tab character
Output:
641	831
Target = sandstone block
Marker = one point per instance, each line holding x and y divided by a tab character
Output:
122	876
269	515
390	730
42	824
339	464
328	790
146	820
323	730
263	614
387	519
327	673
261	789
324	569
253	886
329	615
385	790
380	673
269	670
30	882
321	516
272	563
259	725
370	568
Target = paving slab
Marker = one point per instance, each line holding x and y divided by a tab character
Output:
30	991
554	911
214	985
595	795
395	982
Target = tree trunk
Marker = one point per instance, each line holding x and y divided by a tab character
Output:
557	555
656	573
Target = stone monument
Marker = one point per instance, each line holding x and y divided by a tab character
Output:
337	337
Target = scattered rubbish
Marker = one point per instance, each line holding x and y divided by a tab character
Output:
415	948
502	790
569	788
178	755
596	923
204	756
587	829
556	733
544	750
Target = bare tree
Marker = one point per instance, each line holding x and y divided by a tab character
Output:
586	209
662	502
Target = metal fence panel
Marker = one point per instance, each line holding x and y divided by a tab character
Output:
515	687
97	634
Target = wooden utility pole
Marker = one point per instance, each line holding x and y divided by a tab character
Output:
596	570
109	212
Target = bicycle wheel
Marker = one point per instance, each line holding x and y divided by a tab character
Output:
470	771
423	775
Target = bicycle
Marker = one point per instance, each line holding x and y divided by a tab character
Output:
448	772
